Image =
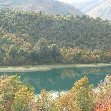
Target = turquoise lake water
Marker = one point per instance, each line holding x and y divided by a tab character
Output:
61	78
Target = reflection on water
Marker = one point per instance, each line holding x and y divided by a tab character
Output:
61	78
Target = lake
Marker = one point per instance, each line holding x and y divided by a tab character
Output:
59	79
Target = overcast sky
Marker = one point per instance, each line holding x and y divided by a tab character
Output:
73	1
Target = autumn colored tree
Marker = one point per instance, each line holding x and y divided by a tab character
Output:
83	94
14	96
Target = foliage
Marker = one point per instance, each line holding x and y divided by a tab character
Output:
83	93
66	103
103	95
34	38
45	101
15	96
65	31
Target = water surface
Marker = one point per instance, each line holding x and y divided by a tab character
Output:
61	78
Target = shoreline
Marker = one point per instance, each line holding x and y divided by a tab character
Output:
29	68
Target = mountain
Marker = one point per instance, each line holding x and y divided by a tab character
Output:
46	6
95	8
102	9
86	5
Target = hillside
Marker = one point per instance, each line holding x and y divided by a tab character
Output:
35	38
46	6
66	31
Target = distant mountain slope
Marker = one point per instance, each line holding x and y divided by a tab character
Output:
46	6
103	10
95	8
86	5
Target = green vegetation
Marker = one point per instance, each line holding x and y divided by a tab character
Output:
65	31
16	96
28	38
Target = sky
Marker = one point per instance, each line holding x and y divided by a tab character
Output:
73	1
66	1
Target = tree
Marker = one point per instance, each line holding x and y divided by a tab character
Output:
83	93
12	55
42	51
15	96
2	55
56	55
41	46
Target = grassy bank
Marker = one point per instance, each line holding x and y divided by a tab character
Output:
46	67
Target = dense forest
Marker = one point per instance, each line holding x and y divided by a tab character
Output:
37	38
65	31
17	96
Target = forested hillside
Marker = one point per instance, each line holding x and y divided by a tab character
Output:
64	31
35	38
